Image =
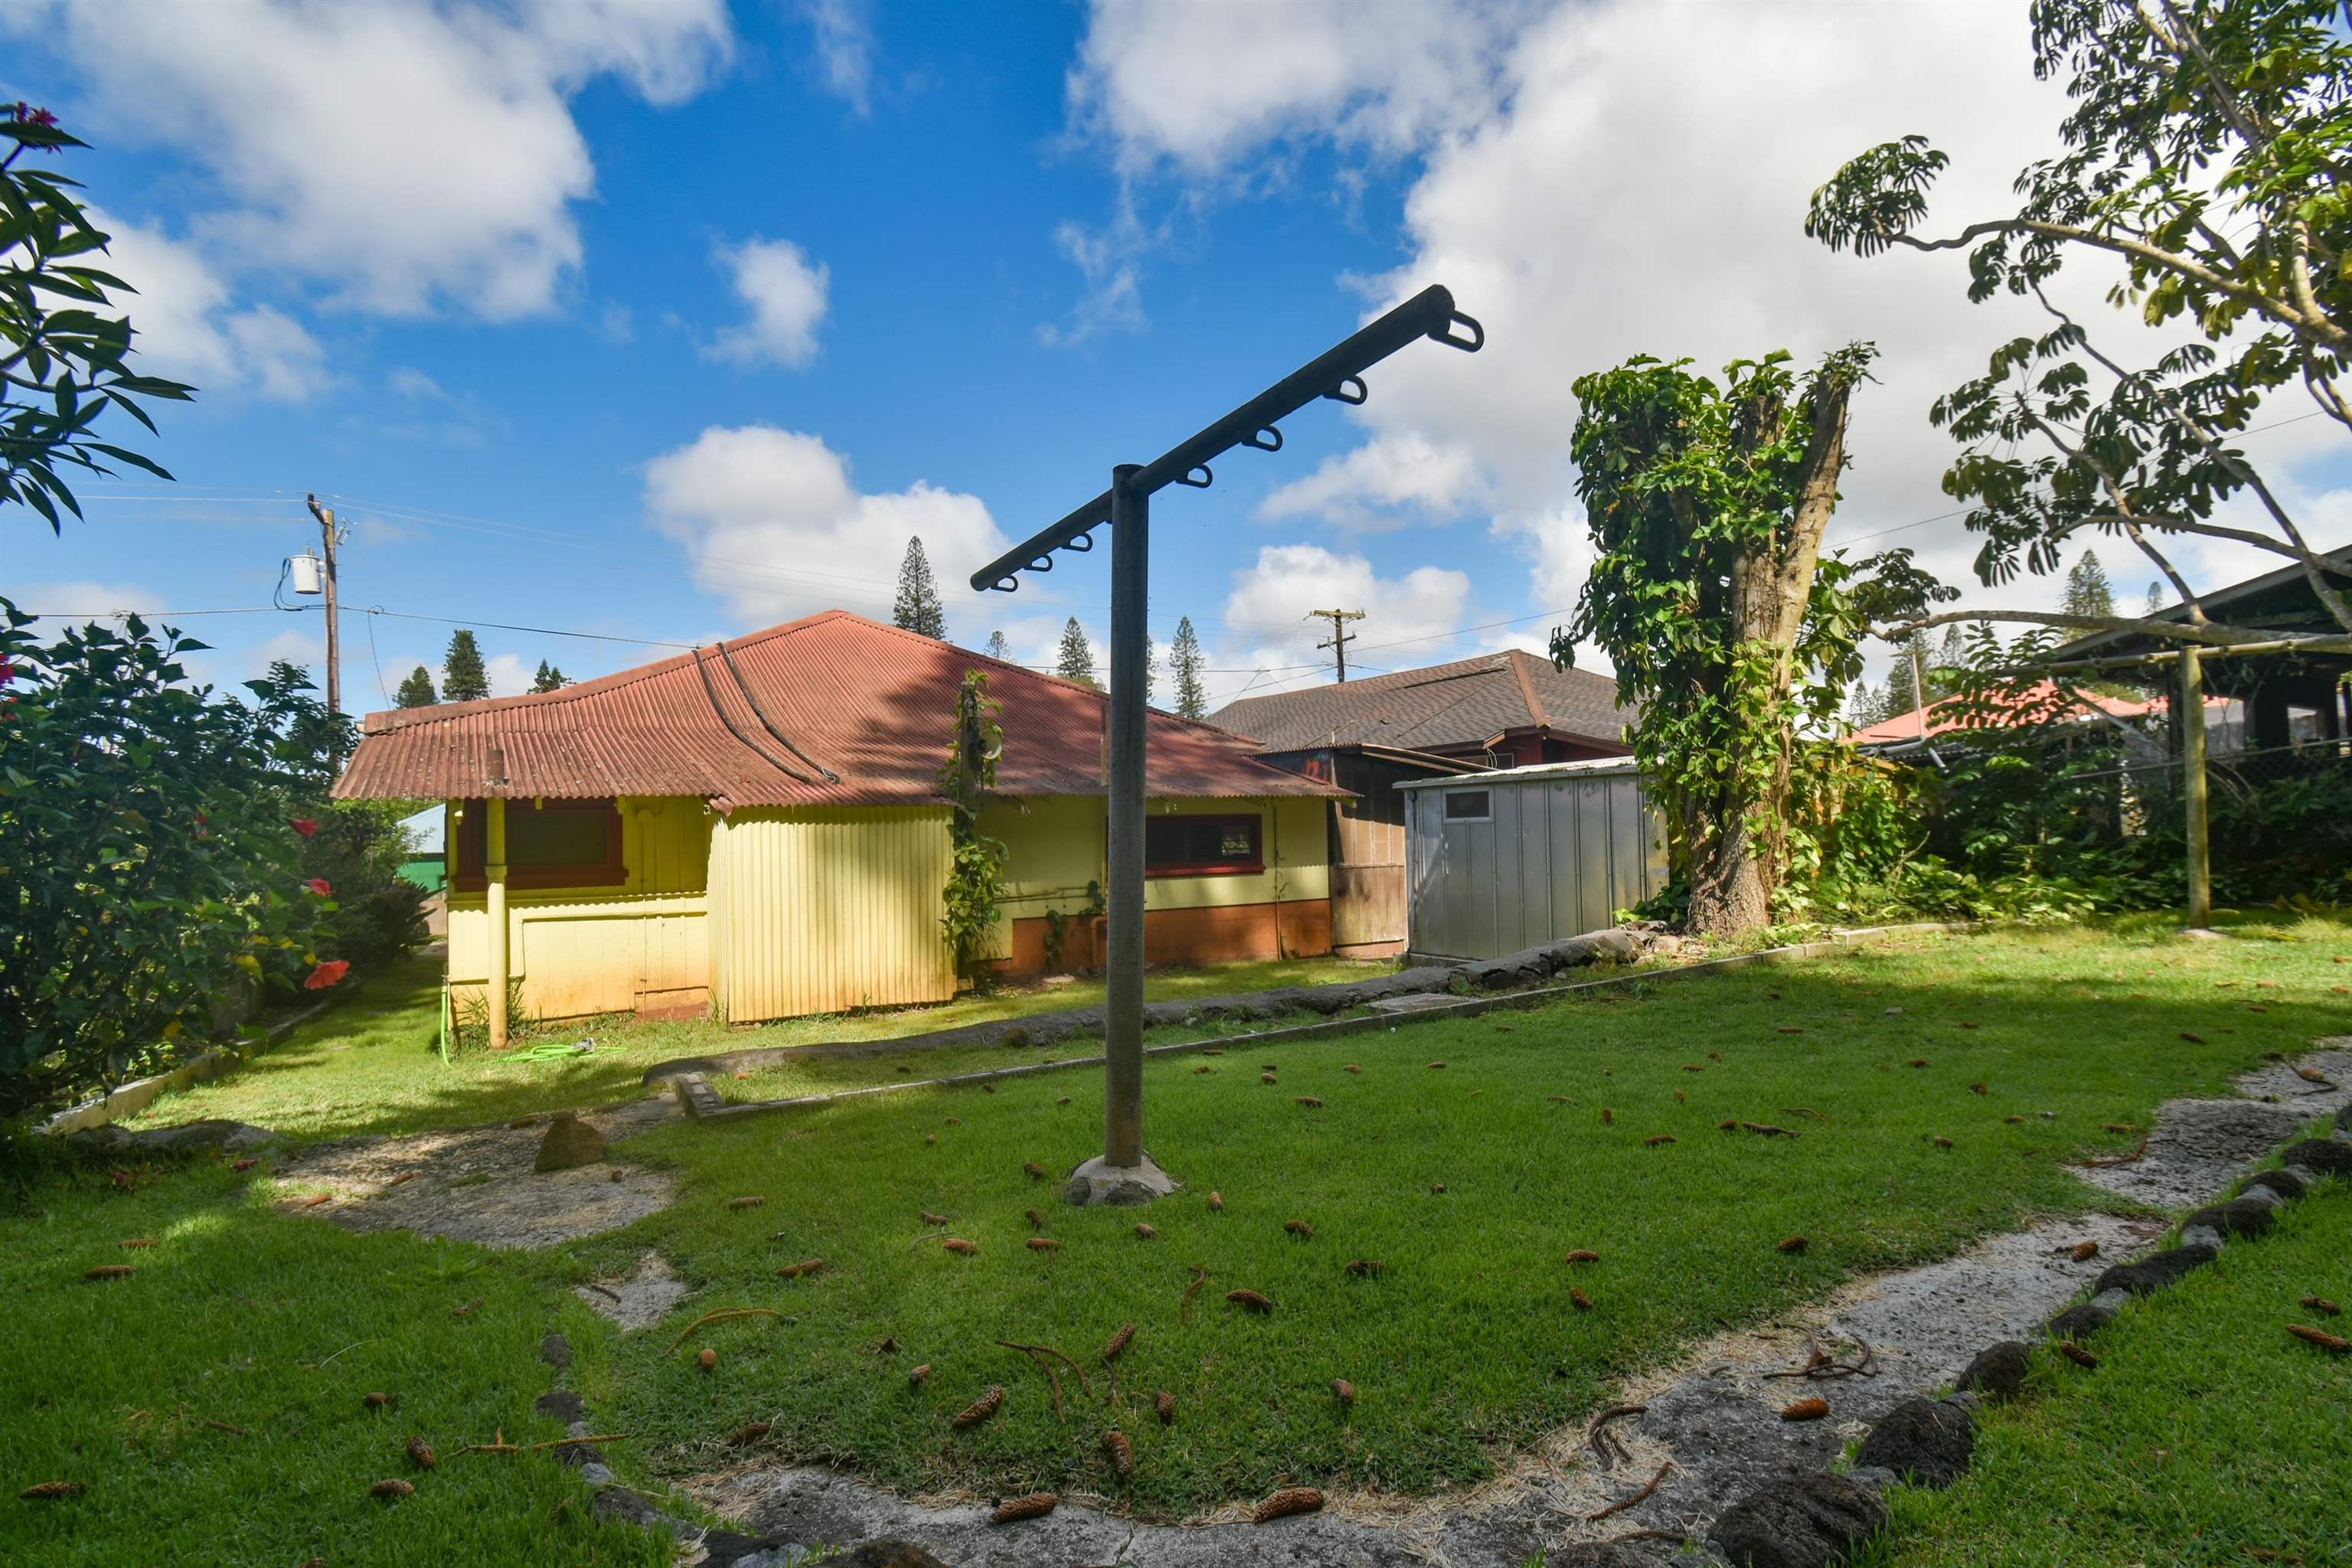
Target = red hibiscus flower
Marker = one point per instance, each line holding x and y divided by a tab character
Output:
306	826
319	886
327	973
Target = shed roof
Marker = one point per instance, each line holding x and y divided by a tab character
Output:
1470	702
866	708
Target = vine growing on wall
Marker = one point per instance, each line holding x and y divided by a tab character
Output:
1725	622
974	895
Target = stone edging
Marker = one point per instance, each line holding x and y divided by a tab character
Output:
136	1096
1821	1515
688	1076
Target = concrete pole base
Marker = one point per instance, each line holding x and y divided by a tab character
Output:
1099	1181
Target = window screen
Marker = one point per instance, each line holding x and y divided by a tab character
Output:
550	844
1202	846
555	838
1466	805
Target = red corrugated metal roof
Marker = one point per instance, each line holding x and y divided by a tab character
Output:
868	703
2027	708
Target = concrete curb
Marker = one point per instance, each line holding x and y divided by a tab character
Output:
141	1092
696	1096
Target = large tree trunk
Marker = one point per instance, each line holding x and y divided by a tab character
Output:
1728	894
1737	840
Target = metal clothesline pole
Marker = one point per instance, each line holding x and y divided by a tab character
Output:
1125	1173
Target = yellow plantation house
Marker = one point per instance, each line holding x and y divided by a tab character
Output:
756	830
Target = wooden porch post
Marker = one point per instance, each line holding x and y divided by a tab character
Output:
494	876
2192	787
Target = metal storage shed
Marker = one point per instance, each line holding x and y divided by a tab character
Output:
1499	861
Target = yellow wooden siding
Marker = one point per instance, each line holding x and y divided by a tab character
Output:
604	950
829	908
1055	846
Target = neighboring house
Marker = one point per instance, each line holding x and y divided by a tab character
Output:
1367	736
426	865
2029	707
757	828
1499	710
2282	698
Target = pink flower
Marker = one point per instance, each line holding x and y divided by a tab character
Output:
327	973
306	826
319	885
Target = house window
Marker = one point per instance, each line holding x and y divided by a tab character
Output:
1467	805
550	844
1202	846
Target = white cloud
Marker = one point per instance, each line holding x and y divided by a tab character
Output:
1109	261
787	296
82	599
1198	86
1393	478
409	156
844	50
1558	547
1265	614
438	415
772	525
189	329
1601	180
510	675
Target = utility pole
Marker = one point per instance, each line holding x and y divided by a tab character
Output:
326	516
1340	635
1125	1173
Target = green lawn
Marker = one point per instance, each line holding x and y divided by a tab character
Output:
371	1065
1466	1343
1467	1340
279	1326
2207	1435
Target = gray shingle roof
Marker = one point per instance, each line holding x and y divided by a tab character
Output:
1464	703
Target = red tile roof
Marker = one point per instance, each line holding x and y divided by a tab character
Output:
867	703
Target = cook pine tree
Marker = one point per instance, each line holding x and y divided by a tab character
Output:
463	678
1184	654
416	691
1074	659
549	678
916	608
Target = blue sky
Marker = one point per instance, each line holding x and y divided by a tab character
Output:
671	321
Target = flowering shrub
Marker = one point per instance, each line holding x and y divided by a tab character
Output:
153	882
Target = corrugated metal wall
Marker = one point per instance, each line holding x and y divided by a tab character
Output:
1557	855
827	908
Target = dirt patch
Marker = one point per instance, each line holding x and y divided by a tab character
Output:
637	1301
475	1183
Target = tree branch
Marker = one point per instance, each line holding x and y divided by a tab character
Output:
2156	255
2206	634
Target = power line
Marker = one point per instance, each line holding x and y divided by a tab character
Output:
372	610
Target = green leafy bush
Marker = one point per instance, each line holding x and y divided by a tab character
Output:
161	859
